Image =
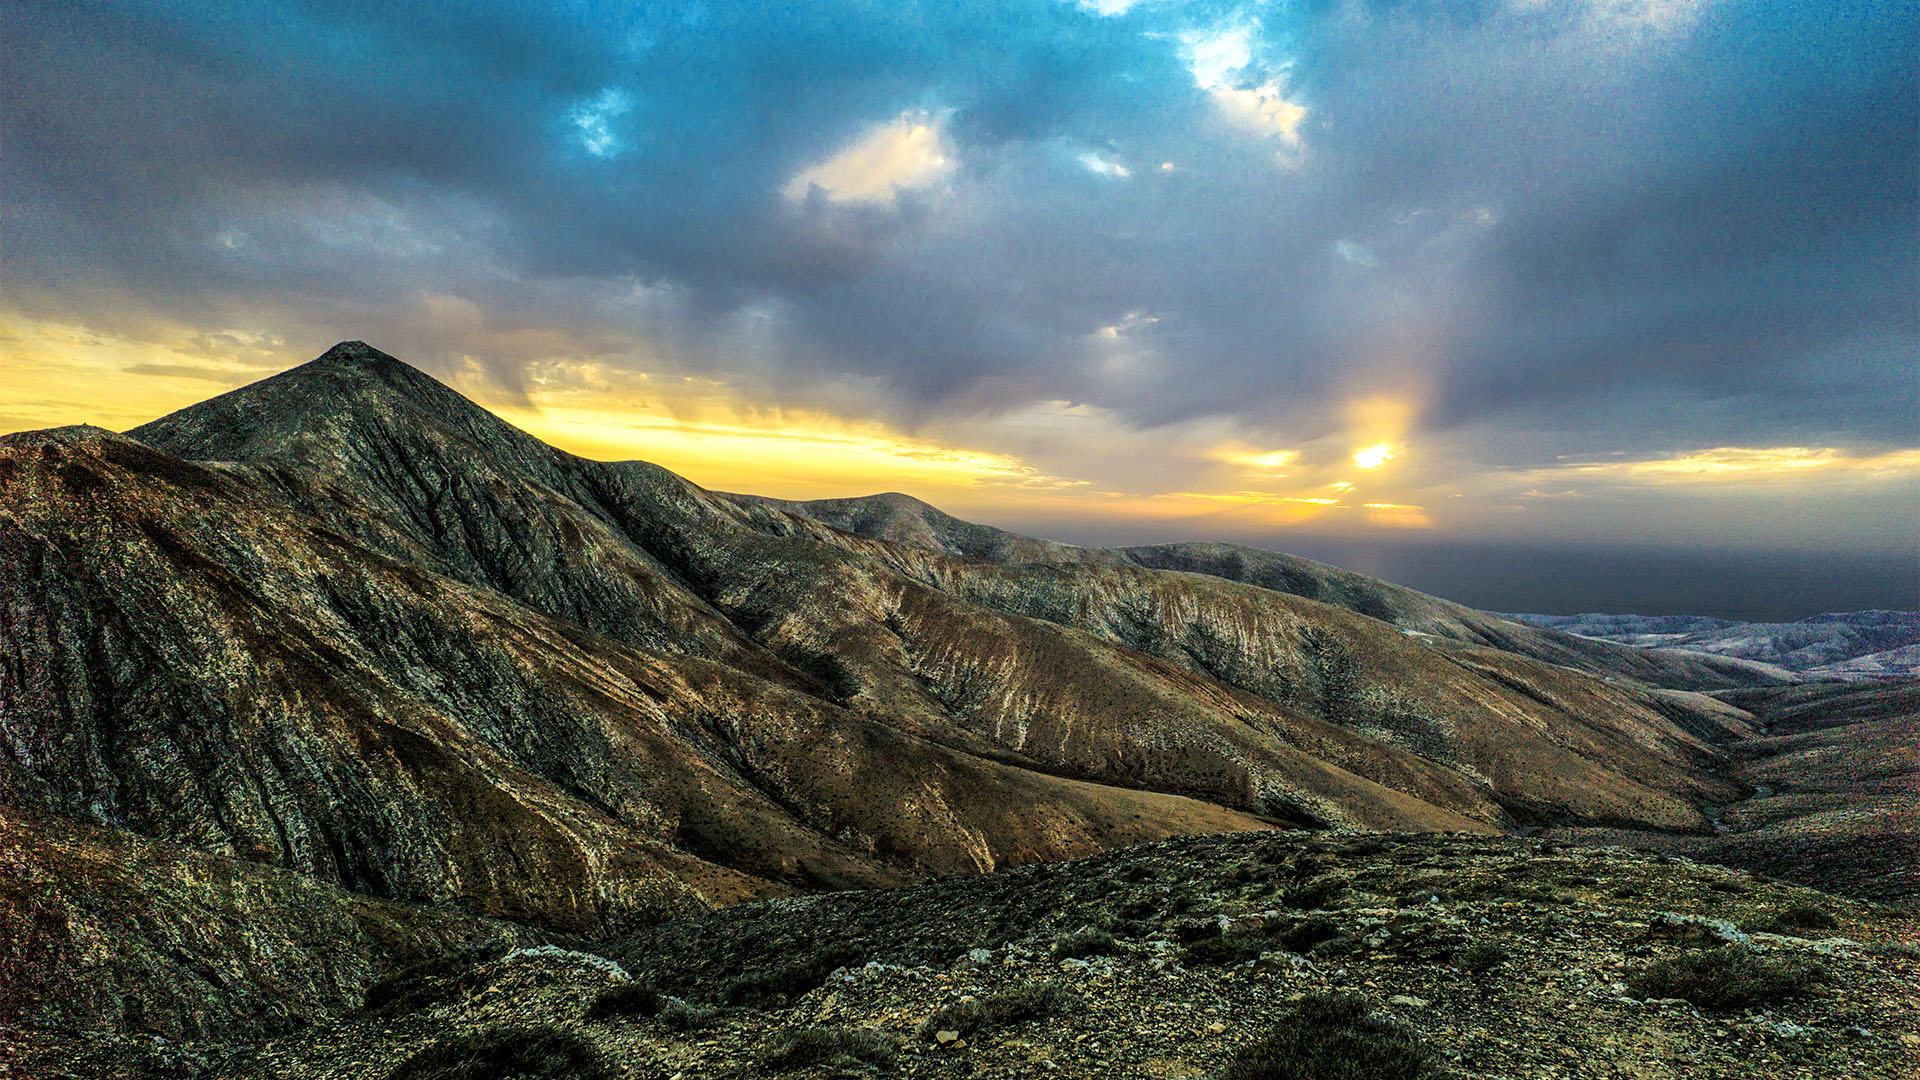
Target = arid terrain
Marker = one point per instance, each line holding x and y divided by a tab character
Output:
1481	956
1856	645
338	677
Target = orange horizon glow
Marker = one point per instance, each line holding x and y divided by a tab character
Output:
718	435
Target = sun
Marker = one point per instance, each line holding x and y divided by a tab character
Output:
1372	457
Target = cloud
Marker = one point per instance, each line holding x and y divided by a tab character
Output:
1545	231
1103	165
1109	8
1263	110
1375	456
1739	464
594	119
904	154
1357	254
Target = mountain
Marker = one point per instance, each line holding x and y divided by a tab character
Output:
1833	790
901	519
1845	646
342	654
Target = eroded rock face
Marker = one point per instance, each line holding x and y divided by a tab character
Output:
106	931
346	624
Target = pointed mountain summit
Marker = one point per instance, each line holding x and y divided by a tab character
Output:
352	393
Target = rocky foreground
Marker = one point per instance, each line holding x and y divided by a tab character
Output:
1461	956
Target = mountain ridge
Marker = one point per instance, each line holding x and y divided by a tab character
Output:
346	625
1879	643
904	519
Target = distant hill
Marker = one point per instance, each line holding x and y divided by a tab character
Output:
1847	645
905	520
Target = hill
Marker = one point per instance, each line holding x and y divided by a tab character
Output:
1422	956
901	519
1836	646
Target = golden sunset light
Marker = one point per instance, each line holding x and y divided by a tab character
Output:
1372	457
1097	539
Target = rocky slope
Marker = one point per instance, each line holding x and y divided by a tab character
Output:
902	519
102	932
1833	780
341	654
1845	646
1481	957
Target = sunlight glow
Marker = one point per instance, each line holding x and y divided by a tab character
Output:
1397	516
1736	463
1266	461
1372	457
58	374
735	437
1263	110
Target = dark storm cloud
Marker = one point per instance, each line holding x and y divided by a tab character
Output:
1596	221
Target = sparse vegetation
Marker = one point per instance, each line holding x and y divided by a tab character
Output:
433	981
1319	893
1482	957
965	1018
620	1002
1305	935
1389	712
1480	984
1243	945
1726	977
686	1016
1333	1037
1029	1002
1187	933
780	985
1795	919
1225	949
522	1052
828	1045
1083	943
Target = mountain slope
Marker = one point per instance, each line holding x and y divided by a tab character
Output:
902	519
1494	957
1858	644
500	509
346	625
193	666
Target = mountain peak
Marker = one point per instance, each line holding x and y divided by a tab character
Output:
349	384
357	354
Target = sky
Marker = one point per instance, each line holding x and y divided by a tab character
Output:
1546	305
